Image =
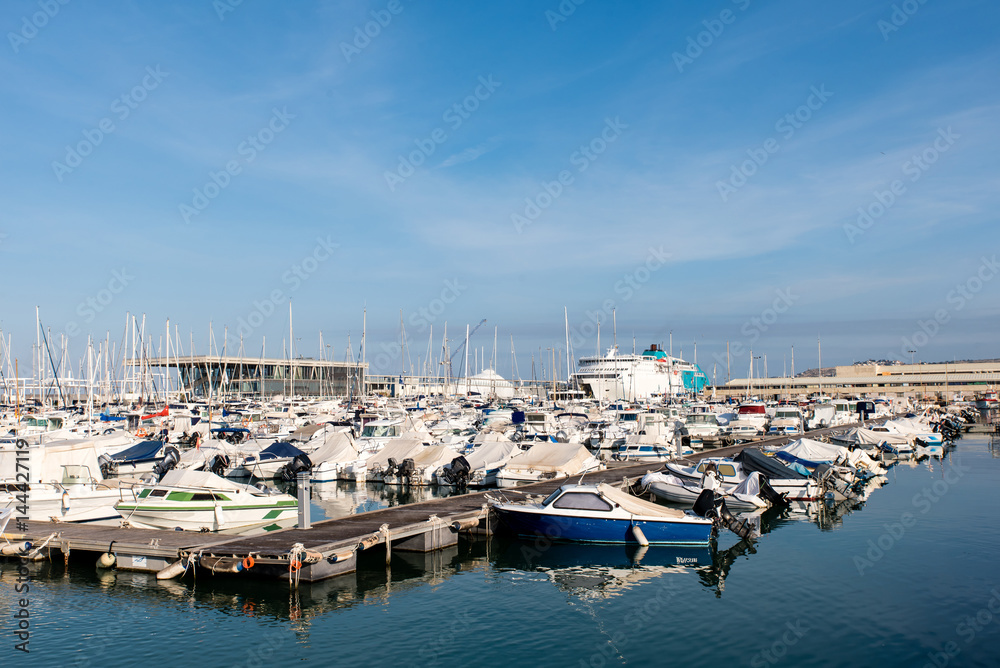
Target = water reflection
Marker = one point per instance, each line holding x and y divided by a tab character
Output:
340	498
596	571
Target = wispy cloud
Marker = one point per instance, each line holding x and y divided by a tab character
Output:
470	154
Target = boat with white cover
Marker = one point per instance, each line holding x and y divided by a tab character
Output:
202	501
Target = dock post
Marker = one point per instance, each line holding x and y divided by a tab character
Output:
302	484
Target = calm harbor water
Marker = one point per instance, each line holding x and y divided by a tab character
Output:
909	578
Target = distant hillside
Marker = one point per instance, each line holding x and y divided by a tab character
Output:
813	373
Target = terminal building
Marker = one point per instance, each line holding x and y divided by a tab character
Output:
260	377
944	380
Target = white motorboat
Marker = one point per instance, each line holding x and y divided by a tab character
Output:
745	496
544	461
203	501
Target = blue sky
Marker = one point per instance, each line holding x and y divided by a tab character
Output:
697	166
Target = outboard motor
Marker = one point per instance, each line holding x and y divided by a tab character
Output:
457	472
728	520
171	457
391	466
710	506
704	505
406	469
772	496
291	470
826	475
218	464
108	466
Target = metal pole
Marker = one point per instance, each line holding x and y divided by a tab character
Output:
302	483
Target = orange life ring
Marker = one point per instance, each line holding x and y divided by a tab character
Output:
248	563
295	565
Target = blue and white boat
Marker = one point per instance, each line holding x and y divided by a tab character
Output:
140	458
602	514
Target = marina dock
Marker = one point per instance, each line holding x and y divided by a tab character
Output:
326	549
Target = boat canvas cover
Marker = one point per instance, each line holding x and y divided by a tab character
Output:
338	448
279	450
303	434
139	452
860	458
753	460
433	456
637	506
491	455
808	450
46	462
864	436
552	457
398	449
200	479
667	479
908	426
749	487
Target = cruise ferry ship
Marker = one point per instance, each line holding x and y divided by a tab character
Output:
630	377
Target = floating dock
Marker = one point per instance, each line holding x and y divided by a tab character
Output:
326	549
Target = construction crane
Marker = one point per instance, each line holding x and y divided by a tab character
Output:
474	330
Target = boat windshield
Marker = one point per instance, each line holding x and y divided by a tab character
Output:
379	430
551	496
581	501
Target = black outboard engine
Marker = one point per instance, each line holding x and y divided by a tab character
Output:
218	464
391	466
406	469
714	507
772	496
704	505
108	466
291	470
457	472
171	457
